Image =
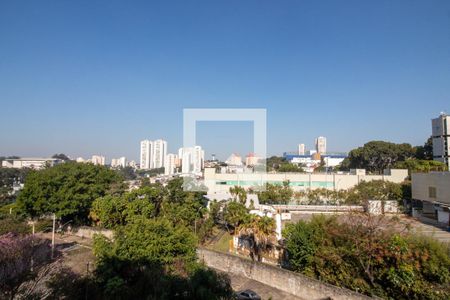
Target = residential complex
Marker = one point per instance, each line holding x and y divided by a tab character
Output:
171	164
98	160
119	162
192	159
153	154
441	138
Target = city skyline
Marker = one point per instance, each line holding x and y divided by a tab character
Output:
379	72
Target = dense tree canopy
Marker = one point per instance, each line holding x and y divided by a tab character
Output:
67	190
375	156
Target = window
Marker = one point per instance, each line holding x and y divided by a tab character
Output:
432	192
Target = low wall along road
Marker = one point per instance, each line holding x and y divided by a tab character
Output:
287	281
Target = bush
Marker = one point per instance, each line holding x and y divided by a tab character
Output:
366	254
11	224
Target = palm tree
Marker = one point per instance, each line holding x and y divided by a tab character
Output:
259	231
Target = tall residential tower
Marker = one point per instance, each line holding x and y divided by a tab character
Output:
441	138
321	145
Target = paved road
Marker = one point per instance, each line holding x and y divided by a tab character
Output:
239	283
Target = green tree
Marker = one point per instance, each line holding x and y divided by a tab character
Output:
419	165
235	213
67	190
259	231
375	156
276	194
425	152
239	194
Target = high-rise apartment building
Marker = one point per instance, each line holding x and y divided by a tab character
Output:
441	138
170	164
159	154
98	160
146	154
119	162
192	159
301	149
321	145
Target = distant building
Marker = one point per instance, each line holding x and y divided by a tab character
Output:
301	149
170	165
441	138
146	154
159	154
234	160
252	160
153	154
132	164
431	195
321	145
80	160
192	159
98	160
119	162
32	162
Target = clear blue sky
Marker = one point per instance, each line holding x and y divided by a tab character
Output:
87	77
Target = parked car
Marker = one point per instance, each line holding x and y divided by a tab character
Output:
247	295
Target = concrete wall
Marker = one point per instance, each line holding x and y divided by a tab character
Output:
290	282
421	182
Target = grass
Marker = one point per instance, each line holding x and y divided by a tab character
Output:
223	244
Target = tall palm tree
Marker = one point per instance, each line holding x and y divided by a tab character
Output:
259	231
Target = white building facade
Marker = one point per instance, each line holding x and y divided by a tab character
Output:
321	145
170	165
301	149
98	160
146	154
119	162
159	154
192	159
441	138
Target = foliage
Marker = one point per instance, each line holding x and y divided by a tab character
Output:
239	194
235	213
127	173
419	165
425	152
375	190
366	254
290	167
375	156
280	164
154	259
274	193
21	258
259	231
67	190
13	224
